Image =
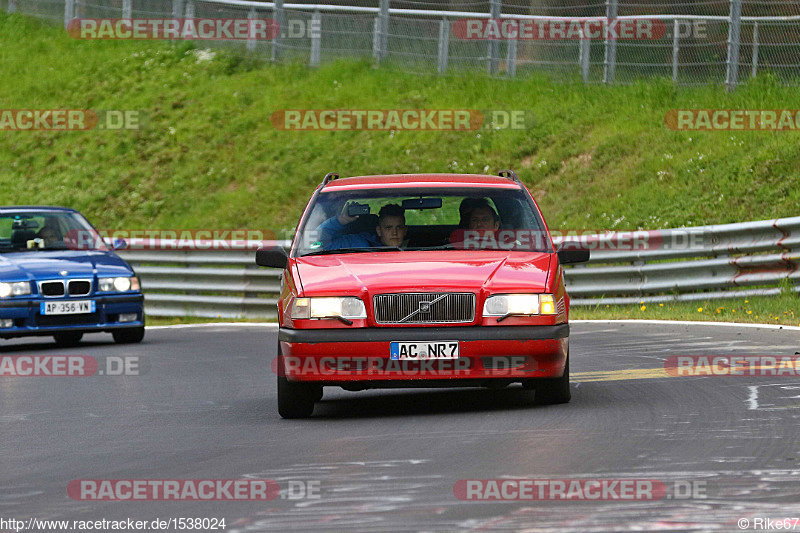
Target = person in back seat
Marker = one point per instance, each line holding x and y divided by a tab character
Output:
391	230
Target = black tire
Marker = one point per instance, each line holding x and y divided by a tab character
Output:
68	338
296	400
128	336
553	391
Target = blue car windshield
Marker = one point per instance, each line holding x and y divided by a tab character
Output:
46	230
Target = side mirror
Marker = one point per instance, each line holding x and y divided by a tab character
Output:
567	257
119	244
274	257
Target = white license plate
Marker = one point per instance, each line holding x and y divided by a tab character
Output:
76	307
424	350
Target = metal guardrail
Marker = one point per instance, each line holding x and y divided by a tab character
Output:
708	262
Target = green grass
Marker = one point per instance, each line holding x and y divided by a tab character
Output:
783	309
595	157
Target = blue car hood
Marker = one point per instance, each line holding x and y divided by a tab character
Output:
50	264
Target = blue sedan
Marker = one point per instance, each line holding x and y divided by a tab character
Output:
59	278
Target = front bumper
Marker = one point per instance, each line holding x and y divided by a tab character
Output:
342	356
29	322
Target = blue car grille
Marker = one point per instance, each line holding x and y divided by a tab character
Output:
74	287
52	288
79	287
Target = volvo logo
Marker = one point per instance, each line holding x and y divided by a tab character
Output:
422	307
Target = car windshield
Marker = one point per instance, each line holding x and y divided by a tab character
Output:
45	230
471	218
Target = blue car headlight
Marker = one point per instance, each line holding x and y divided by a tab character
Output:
118	284
18	288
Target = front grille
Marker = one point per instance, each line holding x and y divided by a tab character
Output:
52	288
424	308
67	320
80	287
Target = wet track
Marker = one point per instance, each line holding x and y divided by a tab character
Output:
388	460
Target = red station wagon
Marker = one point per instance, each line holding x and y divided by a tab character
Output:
421	280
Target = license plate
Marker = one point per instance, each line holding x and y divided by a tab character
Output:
75	307
424	350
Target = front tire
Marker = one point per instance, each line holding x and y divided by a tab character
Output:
128	336
296	400
553	391
68	338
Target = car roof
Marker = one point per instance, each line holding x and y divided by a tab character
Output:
53	208
421	180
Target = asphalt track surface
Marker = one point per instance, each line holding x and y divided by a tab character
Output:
388	460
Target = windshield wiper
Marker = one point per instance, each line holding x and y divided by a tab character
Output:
355	250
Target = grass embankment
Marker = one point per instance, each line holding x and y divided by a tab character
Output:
595	157
783	309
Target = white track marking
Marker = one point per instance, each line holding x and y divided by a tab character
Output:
221	324
752	399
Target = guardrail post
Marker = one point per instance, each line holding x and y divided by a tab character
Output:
127	9
250	46
12	6
494	44
189	11
676	28
444	45
69	11
280	18
177	9
316	38
610	63
734	40
584	53
376	39
755	48
511	58
383	31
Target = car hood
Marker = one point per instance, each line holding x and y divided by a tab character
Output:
50	264
410	271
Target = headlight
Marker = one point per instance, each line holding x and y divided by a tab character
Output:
329	307
519	304
121	284
15	289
